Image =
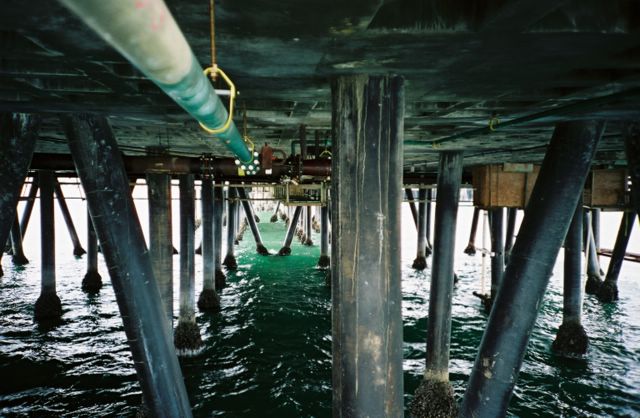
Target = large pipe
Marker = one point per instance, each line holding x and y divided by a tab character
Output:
148	36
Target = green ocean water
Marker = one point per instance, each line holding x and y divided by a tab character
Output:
268	352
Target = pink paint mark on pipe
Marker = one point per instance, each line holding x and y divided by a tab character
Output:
158	21
141	4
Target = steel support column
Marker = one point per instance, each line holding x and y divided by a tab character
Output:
161	239
544	227
572	338
366	195
286	245
101	170
434	397
28	207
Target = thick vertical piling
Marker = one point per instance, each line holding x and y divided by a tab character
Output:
307	228
77	247
230	259
544	227
17	251
434	397
595	227
251	218
471	246
608	292
92	281
512	215
18	133
186	336
594	275
100	167
208	299
218	209
365	253
420	262
160	239
291	230
572	338
48	305
324	261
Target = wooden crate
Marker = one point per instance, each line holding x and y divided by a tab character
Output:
503	185
607	189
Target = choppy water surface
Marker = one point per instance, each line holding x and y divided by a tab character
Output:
268	352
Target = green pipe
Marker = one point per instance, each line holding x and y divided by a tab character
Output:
148	36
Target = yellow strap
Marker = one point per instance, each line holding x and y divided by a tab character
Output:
212	72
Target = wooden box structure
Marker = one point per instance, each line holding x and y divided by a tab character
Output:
503	185
301	194
607	189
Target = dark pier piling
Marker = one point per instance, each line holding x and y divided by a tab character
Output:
218	212
18	133
544	227
471	246
420	262
48	305
251	219
92	281
208	299
68	220
291	230
160	239
572	338
230	258
324	261
608	291
365	278
187	335
95	152
434	397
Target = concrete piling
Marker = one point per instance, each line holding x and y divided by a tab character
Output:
92	281
366	268
547	217
186	336
48	305
95	152
572	339
434	396
18	133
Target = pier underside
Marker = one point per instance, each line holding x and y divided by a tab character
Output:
490	78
